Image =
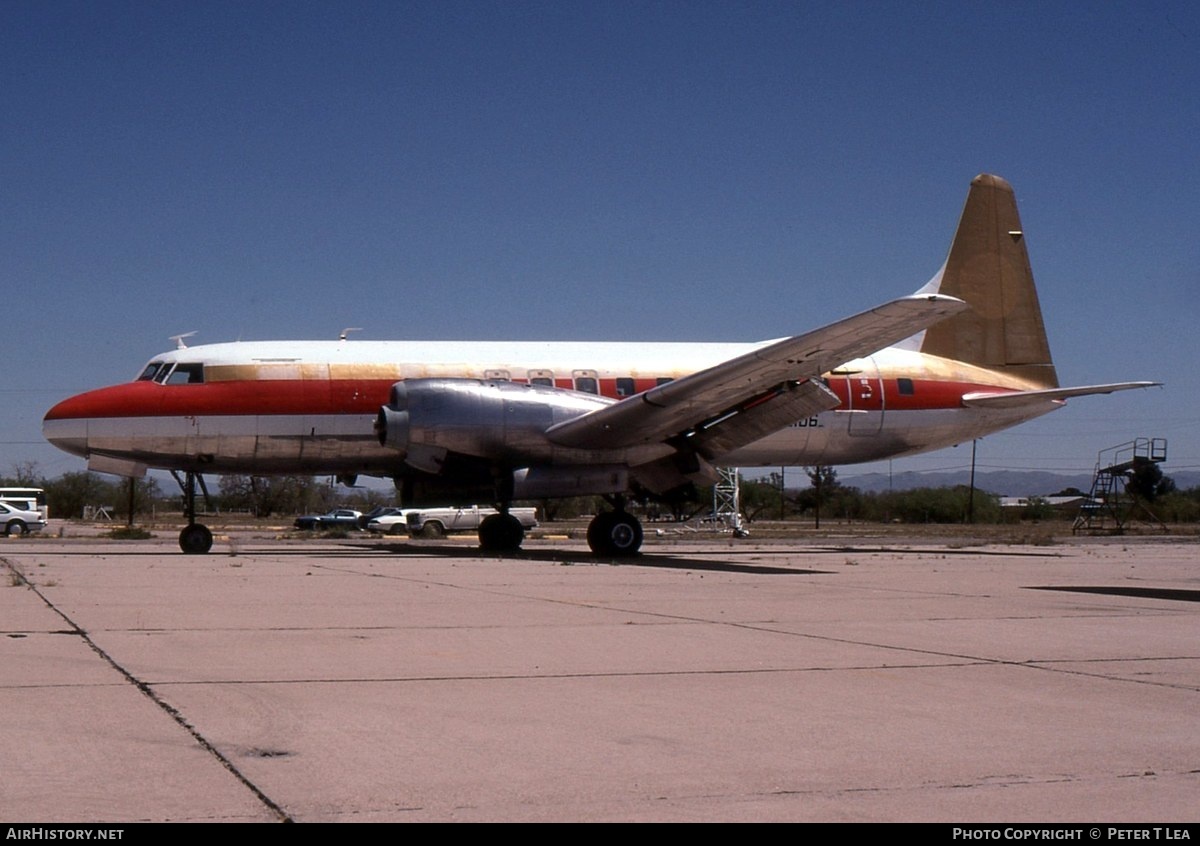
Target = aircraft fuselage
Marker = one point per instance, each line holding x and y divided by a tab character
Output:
309	407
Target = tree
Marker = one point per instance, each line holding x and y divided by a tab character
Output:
1037	508
824	485
1072	491
69	493
1178	506
1146	480
263	496
25	474
760	498
145	492
932	505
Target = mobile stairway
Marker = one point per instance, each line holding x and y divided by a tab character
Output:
1111	506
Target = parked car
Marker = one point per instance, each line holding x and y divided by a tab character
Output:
394	521
436	522
375	513
15	520
341	518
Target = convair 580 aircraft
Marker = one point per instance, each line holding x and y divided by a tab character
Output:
460	422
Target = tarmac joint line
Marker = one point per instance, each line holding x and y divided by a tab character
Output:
18	577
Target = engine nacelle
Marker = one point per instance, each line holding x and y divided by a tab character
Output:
495	420
579	480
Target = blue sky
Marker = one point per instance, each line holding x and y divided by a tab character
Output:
595	170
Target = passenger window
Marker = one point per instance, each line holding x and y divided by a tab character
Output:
905	386
662	380
586	384
624	386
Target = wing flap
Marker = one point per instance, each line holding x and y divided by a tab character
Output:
686	403
760	416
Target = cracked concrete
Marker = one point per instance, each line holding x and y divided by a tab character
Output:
775	680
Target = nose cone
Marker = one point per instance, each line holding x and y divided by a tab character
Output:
67	424
67	433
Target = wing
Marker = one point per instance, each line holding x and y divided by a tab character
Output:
740	400
1016	399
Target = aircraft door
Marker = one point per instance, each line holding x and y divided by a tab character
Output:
864	390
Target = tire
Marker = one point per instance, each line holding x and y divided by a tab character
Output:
16	528
501	533
615	533
195	539
433	530
397	529
598	530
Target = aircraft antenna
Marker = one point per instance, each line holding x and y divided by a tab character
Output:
178	339
347	331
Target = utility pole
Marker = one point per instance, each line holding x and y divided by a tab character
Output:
971	495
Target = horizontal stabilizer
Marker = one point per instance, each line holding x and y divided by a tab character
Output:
1017	399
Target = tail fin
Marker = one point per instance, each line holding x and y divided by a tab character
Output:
988	267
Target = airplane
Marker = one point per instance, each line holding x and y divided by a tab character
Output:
461	422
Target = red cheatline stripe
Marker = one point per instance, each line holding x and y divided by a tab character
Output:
365	396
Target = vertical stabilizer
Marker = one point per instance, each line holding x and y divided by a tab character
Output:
988	267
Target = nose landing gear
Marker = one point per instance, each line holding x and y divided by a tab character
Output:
195	538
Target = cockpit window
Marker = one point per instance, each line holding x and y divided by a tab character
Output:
166	373
186	374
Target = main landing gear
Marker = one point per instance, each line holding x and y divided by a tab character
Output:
195	539
501	532
615	533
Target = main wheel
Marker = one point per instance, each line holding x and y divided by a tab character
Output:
501	533
16	528
195	539
614	533
598	531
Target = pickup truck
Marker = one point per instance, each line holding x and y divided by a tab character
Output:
436	522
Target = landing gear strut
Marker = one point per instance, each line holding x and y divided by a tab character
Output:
616	533
501	532
195	539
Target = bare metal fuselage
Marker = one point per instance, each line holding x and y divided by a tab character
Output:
309	407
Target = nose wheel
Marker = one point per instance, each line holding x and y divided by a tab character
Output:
195	538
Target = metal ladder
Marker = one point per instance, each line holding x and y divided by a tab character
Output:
1110	506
